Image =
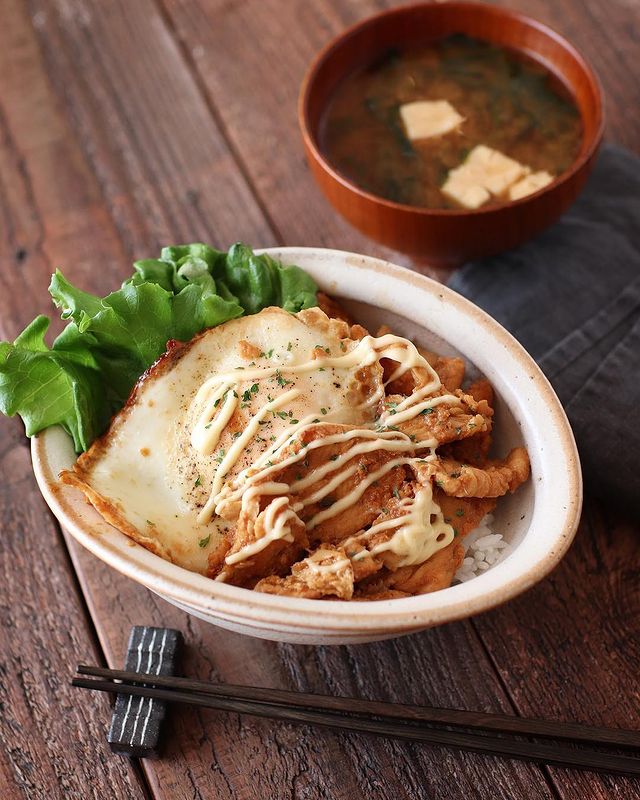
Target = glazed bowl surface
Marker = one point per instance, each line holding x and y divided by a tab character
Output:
539	520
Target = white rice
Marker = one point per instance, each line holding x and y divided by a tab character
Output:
483	549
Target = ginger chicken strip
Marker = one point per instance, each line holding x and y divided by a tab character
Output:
254	552
464	514
435	573
463	480
450	370
318	497
445	422
327	572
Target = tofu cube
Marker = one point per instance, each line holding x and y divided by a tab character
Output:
530	184
468	194
424	119
484	172
495	171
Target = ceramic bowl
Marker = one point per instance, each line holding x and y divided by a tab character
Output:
448	237
539	520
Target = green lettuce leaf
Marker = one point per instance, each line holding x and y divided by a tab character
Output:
91	367
51	387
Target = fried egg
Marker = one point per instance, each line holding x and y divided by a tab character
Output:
155	469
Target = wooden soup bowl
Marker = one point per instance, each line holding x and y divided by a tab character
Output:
446	237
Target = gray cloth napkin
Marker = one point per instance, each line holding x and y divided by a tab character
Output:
572	298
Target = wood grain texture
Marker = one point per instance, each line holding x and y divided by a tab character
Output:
51	745
218	755
124	126
569	648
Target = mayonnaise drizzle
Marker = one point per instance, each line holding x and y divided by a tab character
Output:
416	538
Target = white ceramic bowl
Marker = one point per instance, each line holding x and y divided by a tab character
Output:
539	520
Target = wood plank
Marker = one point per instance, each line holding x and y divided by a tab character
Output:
216	37
570	647
213	755
217	755
48	738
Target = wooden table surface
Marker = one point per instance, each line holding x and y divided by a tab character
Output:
129	124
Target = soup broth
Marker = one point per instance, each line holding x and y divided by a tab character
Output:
509	104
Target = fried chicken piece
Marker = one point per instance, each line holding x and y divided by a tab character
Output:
464	480
463	513
446	422
435	573
357	515
480	390
333	309
341	326
473	450
276	555
430	576
450	371
326	572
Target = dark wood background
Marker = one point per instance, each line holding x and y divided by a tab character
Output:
126	125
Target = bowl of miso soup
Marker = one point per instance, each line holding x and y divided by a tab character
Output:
450	131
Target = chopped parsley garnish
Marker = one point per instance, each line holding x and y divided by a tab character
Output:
254	388
334	457
198	481
220	456
313	421
323	410
282	414
289	346
246	396
237	434
281	381
153	524
204	542
426	411
293	421
396	493
459	512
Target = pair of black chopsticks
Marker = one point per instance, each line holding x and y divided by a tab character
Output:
417	723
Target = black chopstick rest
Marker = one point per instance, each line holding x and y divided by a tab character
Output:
136	721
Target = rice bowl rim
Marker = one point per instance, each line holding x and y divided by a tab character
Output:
521	385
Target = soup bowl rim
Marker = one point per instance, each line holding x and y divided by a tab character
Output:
309	132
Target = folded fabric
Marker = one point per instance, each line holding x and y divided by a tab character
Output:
572	298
